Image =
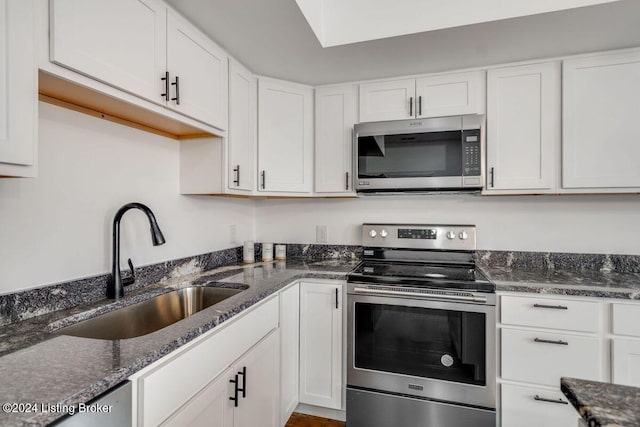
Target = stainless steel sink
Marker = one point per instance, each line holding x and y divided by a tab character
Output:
149	316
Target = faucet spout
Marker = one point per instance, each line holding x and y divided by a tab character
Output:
115	286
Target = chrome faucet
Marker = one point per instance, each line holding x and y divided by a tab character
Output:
115	286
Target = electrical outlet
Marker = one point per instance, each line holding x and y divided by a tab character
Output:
321	234
233	238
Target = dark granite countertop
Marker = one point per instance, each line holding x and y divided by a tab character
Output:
603	404
39	366
587	283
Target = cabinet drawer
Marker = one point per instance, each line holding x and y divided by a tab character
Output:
170	385
626	319
571	315
530	407
542	357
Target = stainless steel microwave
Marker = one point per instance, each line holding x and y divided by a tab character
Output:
423	155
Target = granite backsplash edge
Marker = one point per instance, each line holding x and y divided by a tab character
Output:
22	305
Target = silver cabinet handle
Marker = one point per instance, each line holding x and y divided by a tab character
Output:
177	85
165	79
346	184
491	173
555	307
237	180
411	106
419	106
544	399
263	179
337	306
559	342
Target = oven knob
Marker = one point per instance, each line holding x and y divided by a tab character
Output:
451	235
383	233
463	235
373	234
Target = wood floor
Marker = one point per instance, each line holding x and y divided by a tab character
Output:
302	420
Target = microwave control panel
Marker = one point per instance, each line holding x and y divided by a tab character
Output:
471	157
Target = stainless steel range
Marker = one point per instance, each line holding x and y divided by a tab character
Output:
421	330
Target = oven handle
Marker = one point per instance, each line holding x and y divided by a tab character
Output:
413	294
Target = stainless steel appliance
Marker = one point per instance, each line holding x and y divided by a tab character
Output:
421	330
422	155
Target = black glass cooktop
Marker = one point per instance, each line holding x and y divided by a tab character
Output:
457	276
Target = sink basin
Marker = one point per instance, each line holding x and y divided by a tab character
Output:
149	316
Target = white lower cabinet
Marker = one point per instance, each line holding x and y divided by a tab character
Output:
172	386
625	357
321	344
289	350
534	407
538	346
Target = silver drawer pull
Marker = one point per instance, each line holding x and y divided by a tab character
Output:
559	342
544	399
414	294
556	307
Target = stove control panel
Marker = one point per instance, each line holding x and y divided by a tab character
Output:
417	236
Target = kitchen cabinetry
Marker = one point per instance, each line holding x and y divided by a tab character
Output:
251	381
600	143
241	141
428	96
335	117
543	339
625	351
285	137
172	385
143	48
523	128
18	89
321	320
289	351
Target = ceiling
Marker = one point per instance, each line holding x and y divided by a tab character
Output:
273	38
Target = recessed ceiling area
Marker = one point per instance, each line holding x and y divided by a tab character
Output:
273	38
338	22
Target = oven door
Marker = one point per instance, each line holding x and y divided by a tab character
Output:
432	349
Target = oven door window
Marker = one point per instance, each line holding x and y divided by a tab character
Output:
421	342
419	155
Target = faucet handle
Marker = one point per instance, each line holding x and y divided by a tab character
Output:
131	279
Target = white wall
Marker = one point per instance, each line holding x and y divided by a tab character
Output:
583	224
57	227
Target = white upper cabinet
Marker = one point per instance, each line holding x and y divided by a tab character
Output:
241	141
197	73
429	96
523	128
389	100
285	136
141	47
18	89
450	94
601	130
119	42
335	117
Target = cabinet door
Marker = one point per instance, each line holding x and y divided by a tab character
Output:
449	95
523	127
18	89
198	73
241	142
321	344
626	362
335	117
289	351
601	130
533	407
285	136
209	408
119	42
258	375
391	100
